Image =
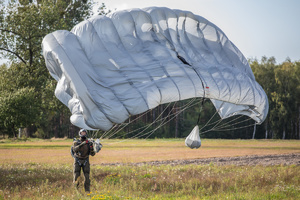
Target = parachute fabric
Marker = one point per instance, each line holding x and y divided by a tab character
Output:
193	139
97	145
111	67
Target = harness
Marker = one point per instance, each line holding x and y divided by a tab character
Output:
80	164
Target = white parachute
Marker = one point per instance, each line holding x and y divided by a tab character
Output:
109	68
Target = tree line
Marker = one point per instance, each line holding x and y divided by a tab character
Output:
28	105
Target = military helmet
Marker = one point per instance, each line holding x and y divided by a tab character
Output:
82	130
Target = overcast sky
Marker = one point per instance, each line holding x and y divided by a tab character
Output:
257	27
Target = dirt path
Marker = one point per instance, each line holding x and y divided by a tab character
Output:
265	160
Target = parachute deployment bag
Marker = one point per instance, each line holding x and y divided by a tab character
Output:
193	139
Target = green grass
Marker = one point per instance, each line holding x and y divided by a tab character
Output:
43	181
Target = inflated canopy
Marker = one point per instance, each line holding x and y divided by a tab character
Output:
111	67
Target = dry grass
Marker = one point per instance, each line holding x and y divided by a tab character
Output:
58	151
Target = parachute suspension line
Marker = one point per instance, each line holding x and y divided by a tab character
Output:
137	135
163	123
202	103
123	125
231	129
109	131
212	118
227	123
169	115
149	125
183	108
218	122
220	128
232	124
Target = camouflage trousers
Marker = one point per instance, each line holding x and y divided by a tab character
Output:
85	166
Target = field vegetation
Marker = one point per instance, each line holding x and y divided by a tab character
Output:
53	181
24	177
129	151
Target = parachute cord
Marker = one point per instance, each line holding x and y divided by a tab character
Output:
233	124
151	132
162	122
219	121
109	131
215	128
183	108
202	103
138	128
188	105
225	124
123	125
209	120
234	128
149	125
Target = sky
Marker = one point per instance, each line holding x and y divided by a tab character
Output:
257	27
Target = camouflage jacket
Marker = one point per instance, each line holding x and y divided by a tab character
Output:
82	149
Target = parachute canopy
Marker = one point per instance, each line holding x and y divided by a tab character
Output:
111	67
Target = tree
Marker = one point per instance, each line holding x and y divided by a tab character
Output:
23	25
281	84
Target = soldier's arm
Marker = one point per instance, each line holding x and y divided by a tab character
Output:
76	146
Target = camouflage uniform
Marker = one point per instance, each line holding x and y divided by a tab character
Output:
82	149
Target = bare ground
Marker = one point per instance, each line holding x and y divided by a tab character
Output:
264	160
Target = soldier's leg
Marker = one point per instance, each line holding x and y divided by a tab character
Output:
86	171
76	173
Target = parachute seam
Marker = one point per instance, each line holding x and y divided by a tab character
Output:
190	44
240	93
182	68
133	86
151	77
191	66
208	49
110	54
95	80
224	80
120	72
248	92
69	60
162	66
219	42
204	42
233	64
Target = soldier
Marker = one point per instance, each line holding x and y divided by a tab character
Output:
81	150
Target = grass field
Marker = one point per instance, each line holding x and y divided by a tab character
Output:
42	169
